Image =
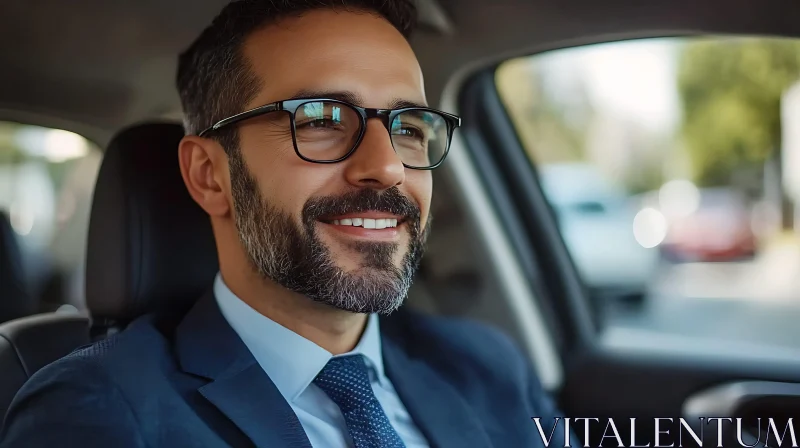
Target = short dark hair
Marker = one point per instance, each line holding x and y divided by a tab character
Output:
214	79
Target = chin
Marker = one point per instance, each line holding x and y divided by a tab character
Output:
366	256
360	265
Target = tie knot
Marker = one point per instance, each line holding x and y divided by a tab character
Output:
346	381
352	364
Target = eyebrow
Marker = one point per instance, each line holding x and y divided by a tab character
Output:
352	98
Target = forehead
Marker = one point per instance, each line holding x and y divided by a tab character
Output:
328	50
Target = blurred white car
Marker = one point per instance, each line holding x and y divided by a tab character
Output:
596	221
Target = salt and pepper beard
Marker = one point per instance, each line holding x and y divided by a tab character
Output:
292	255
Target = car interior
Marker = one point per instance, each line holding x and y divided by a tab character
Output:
17	300
105	71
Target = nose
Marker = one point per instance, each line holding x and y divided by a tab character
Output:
375	164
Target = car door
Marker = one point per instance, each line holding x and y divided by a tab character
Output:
666	120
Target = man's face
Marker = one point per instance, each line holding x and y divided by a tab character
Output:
298	221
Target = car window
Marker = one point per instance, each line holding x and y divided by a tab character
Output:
46	181
673	167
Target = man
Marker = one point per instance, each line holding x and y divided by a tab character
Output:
319	197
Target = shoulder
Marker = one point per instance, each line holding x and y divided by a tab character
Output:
462	345
139	347
102	367
481	361
471	335
81	398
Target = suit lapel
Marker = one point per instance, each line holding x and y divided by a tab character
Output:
254	404
207	346
436	407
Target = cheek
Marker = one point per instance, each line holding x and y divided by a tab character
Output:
420	187
286	181
265	150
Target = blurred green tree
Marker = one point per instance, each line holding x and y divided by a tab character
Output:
9	151
549	131
731	90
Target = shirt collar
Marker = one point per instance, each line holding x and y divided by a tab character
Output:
291	361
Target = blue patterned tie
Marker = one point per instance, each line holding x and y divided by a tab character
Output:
346	382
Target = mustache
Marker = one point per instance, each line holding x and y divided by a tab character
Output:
390	201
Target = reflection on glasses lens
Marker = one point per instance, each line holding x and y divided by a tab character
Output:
420	138
327	131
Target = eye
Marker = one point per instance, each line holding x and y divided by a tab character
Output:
410	132
320	123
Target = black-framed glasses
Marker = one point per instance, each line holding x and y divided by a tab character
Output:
329	131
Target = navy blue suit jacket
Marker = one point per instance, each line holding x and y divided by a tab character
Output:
192	382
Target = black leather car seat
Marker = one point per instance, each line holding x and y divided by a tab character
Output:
150	246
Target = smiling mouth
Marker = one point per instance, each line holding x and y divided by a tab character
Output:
369	221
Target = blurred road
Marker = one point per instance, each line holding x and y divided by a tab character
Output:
754	301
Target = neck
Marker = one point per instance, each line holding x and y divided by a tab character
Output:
335	330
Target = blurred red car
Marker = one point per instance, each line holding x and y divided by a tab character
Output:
720	229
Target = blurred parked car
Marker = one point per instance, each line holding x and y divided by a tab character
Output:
596	219
720	229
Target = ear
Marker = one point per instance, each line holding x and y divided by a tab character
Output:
204	167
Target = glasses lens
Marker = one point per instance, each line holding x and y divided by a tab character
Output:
420	138
325	131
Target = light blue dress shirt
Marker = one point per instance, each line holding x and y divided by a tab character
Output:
292	362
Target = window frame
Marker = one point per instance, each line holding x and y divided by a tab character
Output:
518	198
575	320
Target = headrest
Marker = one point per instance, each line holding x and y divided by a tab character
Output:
15	299
150	246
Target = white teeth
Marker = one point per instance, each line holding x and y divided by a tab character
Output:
367	223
